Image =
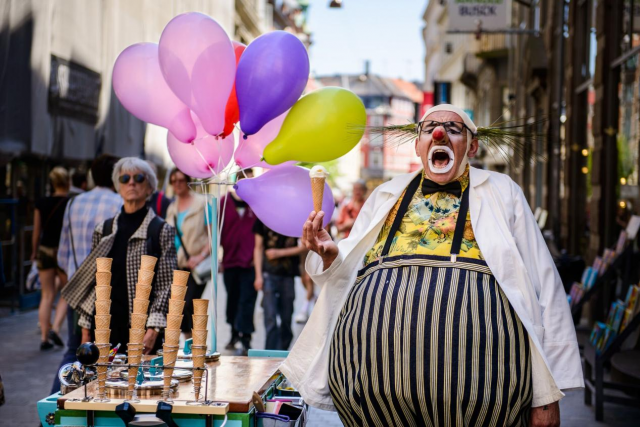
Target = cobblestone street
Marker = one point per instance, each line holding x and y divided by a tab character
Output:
28	374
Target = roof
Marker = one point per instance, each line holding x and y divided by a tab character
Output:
414	93
374	85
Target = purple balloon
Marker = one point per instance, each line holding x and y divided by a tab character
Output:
272	74
282	199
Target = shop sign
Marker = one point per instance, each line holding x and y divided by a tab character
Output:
74	91
468	15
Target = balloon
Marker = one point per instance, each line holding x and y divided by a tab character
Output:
198	63
249	152
282	200
231	112
199	157
140	87
272	74
322	126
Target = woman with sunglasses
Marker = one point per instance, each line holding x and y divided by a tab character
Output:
134	232
187	214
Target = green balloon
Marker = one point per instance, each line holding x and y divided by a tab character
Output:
323	125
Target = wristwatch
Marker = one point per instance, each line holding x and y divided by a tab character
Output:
157	330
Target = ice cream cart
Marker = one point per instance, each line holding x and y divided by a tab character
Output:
229	400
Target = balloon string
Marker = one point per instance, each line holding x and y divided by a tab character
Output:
205	160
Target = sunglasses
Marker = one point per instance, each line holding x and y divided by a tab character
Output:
177	180
452	128
137	178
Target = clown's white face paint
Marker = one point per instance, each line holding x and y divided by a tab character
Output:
441	159
444	156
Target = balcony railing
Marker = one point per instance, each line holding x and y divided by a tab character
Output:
493	45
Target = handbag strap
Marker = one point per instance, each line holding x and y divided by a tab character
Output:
73	246
159	197
46	223
184	248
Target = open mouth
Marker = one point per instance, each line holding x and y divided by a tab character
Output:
440	159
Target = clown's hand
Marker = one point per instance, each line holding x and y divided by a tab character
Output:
317	239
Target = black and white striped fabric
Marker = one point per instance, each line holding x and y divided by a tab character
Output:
422	341
80	292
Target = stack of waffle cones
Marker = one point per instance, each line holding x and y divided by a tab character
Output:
174	321
103	319
139	317
199	347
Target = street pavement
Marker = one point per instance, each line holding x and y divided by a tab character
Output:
28	373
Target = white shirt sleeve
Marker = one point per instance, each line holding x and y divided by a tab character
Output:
545	389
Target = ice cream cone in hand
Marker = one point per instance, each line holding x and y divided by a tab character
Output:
318	175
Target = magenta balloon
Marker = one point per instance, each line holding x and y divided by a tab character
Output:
199	64
249	152
199	157
282	199
141	88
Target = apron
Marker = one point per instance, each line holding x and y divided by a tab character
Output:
428	340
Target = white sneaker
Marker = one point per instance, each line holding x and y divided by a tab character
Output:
302	317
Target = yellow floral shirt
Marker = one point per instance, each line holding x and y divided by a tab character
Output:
428	227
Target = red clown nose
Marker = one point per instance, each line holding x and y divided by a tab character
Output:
438	133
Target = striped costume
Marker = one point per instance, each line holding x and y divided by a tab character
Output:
422	340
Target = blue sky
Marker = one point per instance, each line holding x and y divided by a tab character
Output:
387	32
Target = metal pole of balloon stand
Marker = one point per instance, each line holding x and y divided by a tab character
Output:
213	205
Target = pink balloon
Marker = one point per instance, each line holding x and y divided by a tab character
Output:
140	87
200	157
249	152
199	64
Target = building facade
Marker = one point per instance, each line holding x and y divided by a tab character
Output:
57	105
387	101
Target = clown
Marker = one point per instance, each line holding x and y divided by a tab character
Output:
443	307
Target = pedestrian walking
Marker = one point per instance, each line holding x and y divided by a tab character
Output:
158	201
47	226
456	316
81	216
133	232
78	183
276	259
350	210
238	243
188	215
